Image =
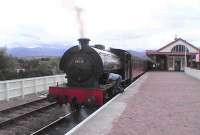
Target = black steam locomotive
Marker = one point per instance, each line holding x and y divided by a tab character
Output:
85	67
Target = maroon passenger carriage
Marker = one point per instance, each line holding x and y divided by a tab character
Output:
85	67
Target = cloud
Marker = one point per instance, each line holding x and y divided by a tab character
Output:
31	36
127	24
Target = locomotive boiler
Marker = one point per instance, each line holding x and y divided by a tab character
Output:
85	65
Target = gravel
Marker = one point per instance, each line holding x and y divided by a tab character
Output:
35	122
19	100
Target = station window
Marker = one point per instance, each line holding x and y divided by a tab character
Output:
179	48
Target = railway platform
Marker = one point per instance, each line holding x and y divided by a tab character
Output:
158	103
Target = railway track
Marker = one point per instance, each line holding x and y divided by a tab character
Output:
65	123
38	117
46	128
16	113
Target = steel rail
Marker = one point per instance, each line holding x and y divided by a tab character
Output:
11	120
22	105
45	128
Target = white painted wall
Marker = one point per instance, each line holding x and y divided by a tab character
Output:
22	87
192	72
179	42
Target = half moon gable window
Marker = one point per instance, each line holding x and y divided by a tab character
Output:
179	48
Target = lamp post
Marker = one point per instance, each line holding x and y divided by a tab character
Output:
185	57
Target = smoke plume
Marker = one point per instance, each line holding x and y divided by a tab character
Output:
80	21
69	4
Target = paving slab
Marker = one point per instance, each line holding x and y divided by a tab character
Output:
158	103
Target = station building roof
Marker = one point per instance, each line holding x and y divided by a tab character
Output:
167	49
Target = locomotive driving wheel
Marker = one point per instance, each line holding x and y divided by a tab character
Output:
74	104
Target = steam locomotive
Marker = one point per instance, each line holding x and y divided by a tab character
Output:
85	67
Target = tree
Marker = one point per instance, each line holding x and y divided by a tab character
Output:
7	65
3	59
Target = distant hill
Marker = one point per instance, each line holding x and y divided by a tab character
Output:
141	54
37	51
44	51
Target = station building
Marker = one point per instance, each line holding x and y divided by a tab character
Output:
175	56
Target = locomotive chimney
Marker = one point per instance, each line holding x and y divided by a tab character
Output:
84	42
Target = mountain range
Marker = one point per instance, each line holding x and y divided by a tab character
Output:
44	51
40	51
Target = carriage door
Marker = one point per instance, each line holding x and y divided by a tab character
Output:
127	66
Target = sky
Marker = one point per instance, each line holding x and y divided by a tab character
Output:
125	24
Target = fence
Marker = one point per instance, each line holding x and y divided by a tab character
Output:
22	87
193	72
